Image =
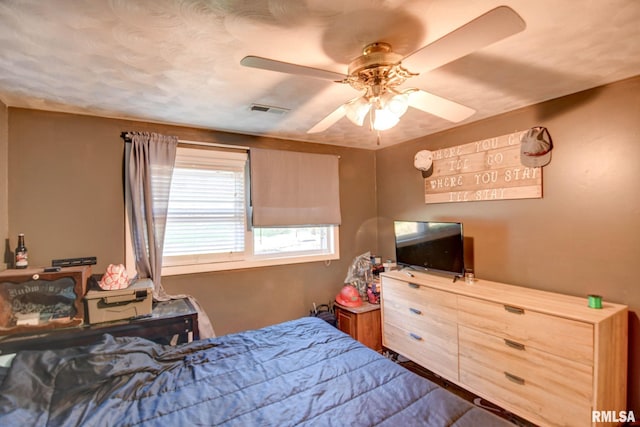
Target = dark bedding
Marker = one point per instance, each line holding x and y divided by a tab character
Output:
302	372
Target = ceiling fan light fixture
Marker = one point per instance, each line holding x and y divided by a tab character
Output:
396	103
384	119
388	109
357	110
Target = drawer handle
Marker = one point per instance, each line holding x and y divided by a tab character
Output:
514	378
514	344
413	285
415	336
514	310
415	310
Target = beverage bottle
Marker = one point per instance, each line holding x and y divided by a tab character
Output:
22	258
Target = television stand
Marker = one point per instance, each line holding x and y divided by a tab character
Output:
495	340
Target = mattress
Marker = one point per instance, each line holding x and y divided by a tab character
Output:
301	372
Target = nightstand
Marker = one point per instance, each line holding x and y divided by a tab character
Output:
362	323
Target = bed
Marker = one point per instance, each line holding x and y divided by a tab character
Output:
301	372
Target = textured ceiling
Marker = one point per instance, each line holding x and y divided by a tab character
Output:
178	61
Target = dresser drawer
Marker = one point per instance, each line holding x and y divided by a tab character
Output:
544	388
556	335
567	378
439	353
413	298
417	322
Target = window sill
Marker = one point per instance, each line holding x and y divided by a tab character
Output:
237	265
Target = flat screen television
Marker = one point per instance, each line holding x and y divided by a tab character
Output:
429	245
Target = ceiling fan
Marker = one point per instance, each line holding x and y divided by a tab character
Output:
379	72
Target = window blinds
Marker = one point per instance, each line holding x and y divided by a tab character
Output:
292	188
207	204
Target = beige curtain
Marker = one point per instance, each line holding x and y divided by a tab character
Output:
150	167
290	188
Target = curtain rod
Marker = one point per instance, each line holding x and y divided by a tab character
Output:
127	138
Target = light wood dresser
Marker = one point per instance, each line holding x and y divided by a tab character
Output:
544	356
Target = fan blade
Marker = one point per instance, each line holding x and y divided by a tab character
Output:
484	30
285	67
329	121
441	107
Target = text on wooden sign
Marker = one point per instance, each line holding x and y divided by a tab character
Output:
489	169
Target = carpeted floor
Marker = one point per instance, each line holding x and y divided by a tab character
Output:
414	367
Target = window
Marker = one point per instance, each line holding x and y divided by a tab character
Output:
207	227
291	240
206	216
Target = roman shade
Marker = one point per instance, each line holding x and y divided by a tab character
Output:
292	189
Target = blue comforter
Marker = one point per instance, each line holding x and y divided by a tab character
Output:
302	372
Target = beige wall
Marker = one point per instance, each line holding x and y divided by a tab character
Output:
5	259
66	195
582	237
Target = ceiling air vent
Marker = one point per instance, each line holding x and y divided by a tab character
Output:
269	109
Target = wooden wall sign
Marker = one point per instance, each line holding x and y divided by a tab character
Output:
489	169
